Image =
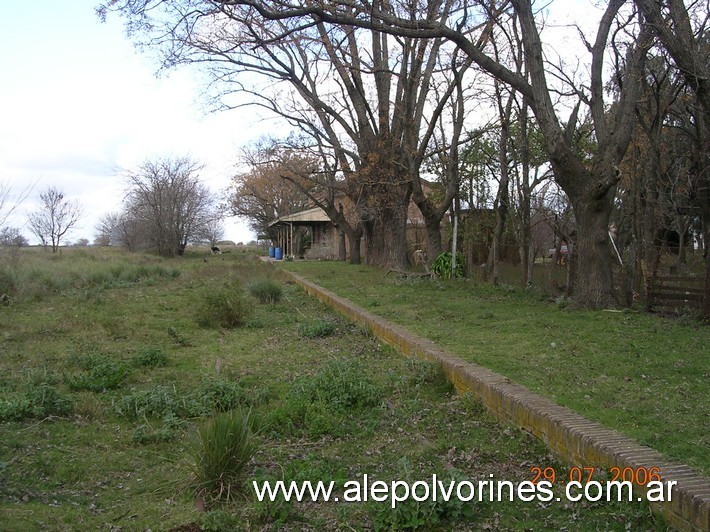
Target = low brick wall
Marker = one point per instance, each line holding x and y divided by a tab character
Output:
581	442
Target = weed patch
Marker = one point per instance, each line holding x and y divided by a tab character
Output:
164	401
100	377
418	513
342	384
150	357
318	329
38	402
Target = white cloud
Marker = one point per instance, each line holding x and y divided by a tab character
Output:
78	105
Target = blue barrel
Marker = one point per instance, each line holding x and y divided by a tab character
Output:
278	254
272	252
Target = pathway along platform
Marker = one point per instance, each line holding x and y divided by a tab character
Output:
581	442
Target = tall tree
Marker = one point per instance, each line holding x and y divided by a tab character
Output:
54	218
589	183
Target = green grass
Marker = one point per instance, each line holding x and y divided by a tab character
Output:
323	408
643	375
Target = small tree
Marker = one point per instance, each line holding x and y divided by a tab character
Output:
54	218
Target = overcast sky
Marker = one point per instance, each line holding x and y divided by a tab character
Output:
78	104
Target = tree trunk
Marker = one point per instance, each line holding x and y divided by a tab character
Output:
594	284
433	235
386	240
705	309
342	251
385	209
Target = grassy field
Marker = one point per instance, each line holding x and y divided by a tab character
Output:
644	375
110	363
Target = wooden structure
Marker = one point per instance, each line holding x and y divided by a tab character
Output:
674	292
315	219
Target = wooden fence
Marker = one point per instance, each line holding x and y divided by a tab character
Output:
674	292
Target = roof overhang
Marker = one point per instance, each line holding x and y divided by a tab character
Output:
316	214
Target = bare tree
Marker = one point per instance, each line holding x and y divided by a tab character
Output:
54	218
210	232
108	230
169	204
8	204
589	183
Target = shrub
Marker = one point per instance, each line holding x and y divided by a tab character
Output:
224	446
150	357
442	265
266	290
319	329
224	306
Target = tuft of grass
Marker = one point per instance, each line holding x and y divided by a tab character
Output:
266	290
224	446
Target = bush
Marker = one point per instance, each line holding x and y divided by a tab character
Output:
224	306
442	265
224	446
266	291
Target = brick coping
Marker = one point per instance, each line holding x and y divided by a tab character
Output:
579	441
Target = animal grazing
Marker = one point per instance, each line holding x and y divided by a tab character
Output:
216	250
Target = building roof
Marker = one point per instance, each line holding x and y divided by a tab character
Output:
316	214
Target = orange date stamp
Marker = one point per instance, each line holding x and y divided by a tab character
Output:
640	476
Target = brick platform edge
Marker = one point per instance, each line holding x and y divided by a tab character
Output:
579	441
